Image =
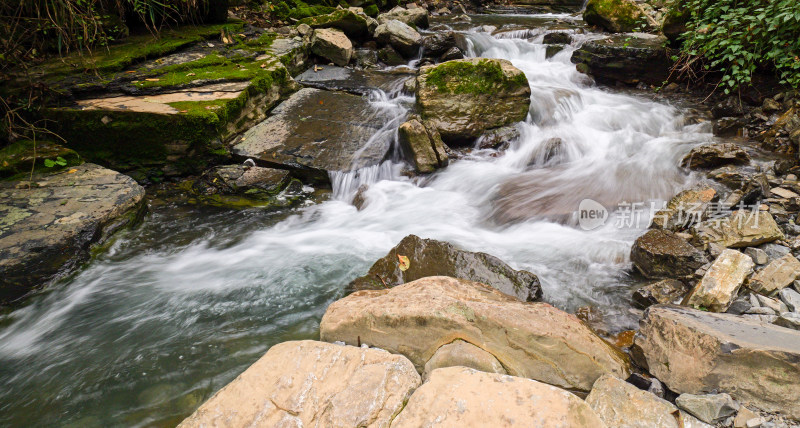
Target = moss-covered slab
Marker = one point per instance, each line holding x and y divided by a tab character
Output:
48	224
628	58
315	132
169	102
355	25
25	156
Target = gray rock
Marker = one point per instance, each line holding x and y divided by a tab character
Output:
400	36
428	257
661	254
762	310
767	319
776	305
774	251
791	298
629	58
709	408
360	82
758	255
47	228
315	132
739	306
417	17
423	146
789	320
332	44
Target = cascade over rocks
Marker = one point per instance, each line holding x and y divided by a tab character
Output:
698	352
428	257
464	98
532	340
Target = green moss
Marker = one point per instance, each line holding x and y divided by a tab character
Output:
620	16
18	158
466	77
371	10
212	67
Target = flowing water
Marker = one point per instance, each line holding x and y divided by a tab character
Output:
182	304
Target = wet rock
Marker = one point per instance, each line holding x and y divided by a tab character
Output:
616	16
417	318
308	383
464	98
661	254
315	132
775	276
333	45
366	58
684	209
21	157
47	225
452	54
459	396
552	50
714	155
359	82
416	18
428	257
758	255
729	107
742	229
729	127
351	23
423	146
698	352
664	291
709	408
464	354
791	298
499	138
240	186
630	59
389	56
401	37
438	44
557	38
622	405
721	283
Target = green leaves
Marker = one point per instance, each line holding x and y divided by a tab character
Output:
49	163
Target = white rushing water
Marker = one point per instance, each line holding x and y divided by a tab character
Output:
174	310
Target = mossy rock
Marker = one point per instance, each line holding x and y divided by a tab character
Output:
616	16
351	23
21	157
675	20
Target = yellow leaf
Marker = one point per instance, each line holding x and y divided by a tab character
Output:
152	80
405	263
72	171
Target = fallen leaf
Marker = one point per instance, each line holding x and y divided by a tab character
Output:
131	71
152	80
191	74
405	263
263	65
320	102
183	111
72	171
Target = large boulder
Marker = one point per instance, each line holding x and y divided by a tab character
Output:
308	383
423	146
621	405
463	98
663	254
354	24
721	282
698	352
401	37
416	17
428	257
616	16
742	229
50	222
463	397
332	44
776	276
532	340
714	155
626	58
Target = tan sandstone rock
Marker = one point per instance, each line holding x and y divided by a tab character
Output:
699	352
460	353
533	340
741	229
308	383
684	209
720	284
776	275
460	397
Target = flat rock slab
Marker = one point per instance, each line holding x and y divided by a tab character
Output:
307	384
160	103
316	132
355	81
628	58
462	397
47	228
699	352
531	340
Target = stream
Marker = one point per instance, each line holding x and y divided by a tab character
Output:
180	305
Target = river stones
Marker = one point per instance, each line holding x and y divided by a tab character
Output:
464	98
697	352
48	225
463	397
715	155
428	257
742	229
308	383
622	405
422	146
721	282
616	16
776	276
662	254
332	44
416	17
315	132
532	340
626	58
400	36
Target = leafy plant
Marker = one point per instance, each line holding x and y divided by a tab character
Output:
737	37
59	161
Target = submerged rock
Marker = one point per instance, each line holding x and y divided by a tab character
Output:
698	352
308	383
333	45
617	16
464	98
423	146
428	257
463	397
722	281
49	223
359	82
315	132
715	155
418	318
662	254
